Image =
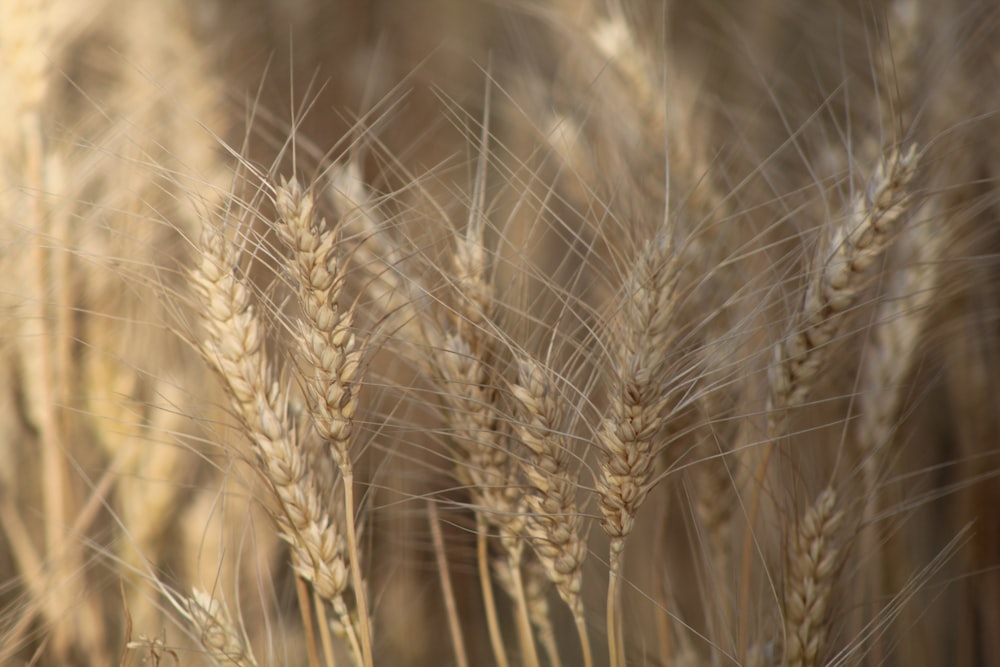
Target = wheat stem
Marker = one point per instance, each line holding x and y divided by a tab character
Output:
526	638
454	625
486	586
305	612
360	597
323	624
616	636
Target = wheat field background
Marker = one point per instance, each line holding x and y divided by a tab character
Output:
499	333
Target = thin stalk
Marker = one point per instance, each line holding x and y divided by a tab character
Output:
581	629
345	621
748	540
359	587
616	643
529	653
305	610
486	583
449	595
324	630
551	649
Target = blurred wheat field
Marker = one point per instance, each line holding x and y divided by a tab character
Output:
507	333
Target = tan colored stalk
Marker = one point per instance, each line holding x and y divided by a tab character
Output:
554	523
331	357
454	625
639	407
536	584
223	641
486	586
813	559
302	593
512	580
346	628
325	634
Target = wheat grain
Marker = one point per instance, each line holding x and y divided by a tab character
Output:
638	402
332	358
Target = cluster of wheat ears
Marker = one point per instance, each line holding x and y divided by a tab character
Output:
511	333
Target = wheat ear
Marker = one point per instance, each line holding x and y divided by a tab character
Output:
331	356
375	251
852	248
899	320
233	345
814	557
554	524
639	407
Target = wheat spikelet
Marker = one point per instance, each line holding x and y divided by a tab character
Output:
554	523
640	403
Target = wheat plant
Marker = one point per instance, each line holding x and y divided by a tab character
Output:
503	333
